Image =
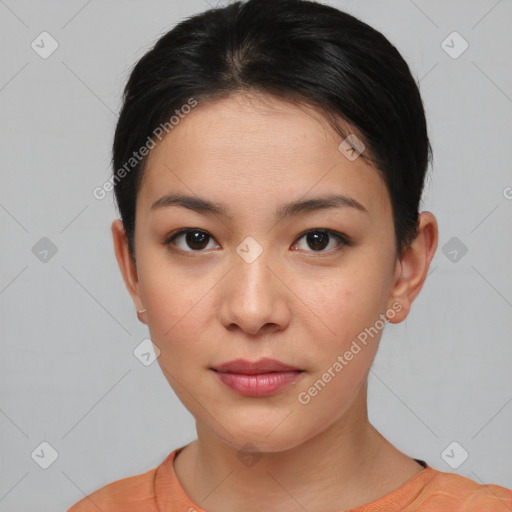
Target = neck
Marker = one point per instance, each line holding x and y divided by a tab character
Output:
348	464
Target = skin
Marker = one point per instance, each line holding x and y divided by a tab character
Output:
302	306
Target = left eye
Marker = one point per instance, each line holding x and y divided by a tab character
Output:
319	239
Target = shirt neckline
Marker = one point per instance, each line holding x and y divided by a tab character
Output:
171	495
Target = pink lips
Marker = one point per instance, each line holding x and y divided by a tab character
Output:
259	378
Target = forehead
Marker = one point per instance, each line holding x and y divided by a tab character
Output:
257	149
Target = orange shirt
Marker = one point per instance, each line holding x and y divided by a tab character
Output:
159	490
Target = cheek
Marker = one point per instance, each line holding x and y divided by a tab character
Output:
346	302
175	303
341	360
332	391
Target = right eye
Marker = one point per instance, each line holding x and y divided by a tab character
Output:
193	238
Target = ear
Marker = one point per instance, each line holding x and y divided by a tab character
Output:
412	268
127	264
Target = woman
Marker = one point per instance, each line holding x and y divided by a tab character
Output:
269	162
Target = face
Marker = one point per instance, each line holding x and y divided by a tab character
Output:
257	279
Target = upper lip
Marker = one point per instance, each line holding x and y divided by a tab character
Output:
252	368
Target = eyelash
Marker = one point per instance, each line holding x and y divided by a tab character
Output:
344	241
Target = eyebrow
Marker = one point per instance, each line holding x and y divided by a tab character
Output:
299	207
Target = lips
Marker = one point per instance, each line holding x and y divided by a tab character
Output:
261	378
242	366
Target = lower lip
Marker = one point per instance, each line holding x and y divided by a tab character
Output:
263	384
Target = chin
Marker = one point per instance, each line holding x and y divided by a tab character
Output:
268	440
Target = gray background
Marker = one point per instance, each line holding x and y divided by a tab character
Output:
68	374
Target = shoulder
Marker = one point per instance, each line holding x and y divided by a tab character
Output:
453	490
132	494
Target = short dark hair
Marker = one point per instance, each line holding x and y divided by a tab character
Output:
299	51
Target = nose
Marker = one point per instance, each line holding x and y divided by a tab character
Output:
254	299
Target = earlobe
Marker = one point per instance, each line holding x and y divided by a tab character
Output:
126	263
412	269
